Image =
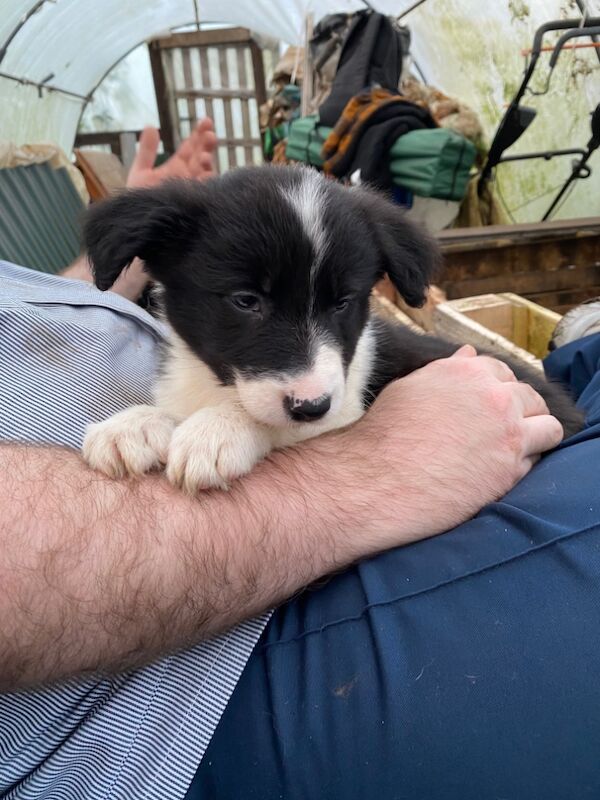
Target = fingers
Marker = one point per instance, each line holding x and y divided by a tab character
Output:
531	403
541	433
147	150
203	145
204	125
499	369
466	351
194	156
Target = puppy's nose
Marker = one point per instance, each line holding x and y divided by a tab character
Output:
307	410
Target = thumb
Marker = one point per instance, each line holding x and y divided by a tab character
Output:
466	351
147	150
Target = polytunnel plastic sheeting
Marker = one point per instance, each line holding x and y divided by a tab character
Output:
468	48
71	44
78	40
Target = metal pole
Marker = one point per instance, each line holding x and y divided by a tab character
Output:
410	9
573	177
584	11
307	76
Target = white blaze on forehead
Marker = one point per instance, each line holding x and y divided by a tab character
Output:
307	198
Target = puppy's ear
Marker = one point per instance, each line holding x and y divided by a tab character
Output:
408	254
151	224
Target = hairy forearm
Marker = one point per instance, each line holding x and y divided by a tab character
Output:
102	575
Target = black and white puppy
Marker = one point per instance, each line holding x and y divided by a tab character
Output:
265	276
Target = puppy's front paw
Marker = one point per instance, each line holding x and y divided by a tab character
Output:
213	447
131	442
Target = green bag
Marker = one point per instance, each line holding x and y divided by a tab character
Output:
430	163
433	163
305	141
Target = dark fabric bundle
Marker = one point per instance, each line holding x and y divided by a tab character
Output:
367	129
371	56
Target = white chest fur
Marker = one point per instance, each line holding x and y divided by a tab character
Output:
188	385
200	431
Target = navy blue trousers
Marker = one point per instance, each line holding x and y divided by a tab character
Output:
464	667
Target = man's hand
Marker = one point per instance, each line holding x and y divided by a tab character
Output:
436	447
194	160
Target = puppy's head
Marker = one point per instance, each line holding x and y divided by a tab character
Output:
266	276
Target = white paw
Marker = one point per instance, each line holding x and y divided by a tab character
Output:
214	447
131	442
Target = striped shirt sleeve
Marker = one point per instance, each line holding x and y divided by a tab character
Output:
70	355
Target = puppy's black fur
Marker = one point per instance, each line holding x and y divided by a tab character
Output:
247	278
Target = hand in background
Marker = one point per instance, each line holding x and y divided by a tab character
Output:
193	159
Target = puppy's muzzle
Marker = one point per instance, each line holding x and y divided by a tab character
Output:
307	410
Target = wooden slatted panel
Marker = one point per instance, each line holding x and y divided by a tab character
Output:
220	74
189	84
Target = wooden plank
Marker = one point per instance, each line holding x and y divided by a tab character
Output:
495	236
103	172
528	282
489	310
189	84
423	316
386	309
258	66
452	324
214	93
168	121
526	324
567	298
541	323
204	38
225	82
204	71
245	87
168	57
223	140
541	257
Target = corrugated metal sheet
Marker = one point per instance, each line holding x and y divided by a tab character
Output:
40	216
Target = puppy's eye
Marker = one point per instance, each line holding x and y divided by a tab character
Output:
342	304
246	301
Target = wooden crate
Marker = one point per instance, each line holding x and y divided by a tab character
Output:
502	322
505	321
382	305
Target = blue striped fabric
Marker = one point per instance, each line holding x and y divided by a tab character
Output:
70	355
